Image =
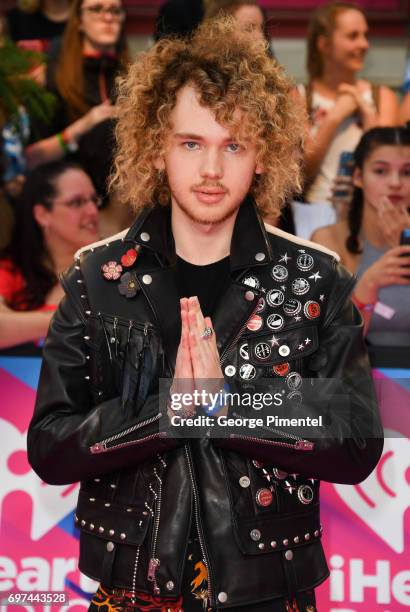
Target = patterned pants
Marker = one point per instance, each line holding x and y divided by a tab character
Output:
116	600
194	597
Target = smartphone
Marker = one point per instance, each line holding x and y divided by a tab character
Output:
345	164
405	237
345	168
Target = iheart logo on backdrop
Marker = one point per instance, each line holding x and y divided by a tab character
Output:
50	503
382	499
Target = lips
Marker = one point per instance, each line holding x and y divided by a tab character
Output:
209	196
395	199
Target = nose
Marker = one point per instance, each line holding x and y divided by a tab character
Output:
212	165
364	43
91	208
395	179
108	16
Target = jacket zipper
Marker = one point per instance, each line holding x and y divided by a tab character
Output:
297	442
237	336
197	520
154	562
103	446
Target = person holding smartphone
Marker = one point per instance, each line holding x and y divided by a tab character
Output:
369	240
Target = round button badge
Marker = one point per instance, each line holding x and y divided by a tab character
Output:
280	273
292	307
311	309
275	297
247	371
274	321
300	286
305	494
230	370
294	380
263	351
244	351
284	350
305	262
264	497
254	323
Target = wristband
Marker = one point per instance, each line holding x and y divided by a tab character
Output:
62	142
362	306
72	145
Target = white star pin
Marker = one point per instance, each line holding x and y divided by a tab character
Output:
301	251
297	318
322	297
301	347
284	258
308	340
315	276
274	341
283	287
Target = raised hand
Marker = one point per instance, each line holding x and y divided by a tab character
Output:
393	220
183	381
393	268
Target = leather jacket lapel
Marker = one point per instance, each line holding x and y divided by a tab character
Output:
162	296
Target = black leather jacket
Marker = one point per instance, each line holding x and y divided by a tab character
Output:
97	412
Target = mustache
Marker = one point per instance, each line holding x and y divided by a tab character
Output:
210	185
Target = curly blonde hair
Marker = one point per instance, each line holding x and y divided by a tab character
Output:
229	72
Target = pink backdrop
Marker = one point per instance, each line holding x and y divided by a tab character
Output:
366	527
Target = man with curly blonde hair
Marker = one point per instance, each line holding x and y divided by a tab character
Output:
201	293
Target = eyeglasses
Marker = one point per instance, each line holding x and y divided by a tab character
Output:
116	12
81	202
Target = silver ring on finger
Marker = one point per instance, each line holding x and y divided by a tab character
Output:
207	333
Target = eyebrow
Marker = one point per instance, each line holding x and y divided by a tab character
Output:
189	136
386	163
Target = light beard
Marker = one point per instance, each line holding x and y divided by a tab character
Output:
207	221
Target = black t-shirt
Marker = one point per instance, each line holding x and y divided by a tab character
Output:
207	282
33	26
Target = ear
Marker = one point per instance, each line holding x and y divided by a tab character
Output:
42	215
159	163
259	168
357	178
323	44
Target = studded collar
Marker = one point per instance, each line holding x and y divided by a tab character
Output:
249	247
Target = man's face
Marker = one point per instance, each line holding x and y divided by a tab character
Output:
208	172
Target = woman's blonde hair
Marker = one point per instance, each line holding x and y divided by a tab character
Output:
229	72
323	23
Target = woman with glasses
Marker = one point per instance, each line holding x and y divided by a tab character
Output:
82	75
56	216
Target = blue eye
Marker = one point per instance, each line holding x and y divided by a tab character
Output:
190	145
233	147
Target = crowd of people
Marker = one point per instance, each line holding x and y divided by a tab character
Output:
55	174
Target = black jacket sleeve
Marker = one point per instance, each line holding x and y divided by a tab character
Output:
347	447
67	432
